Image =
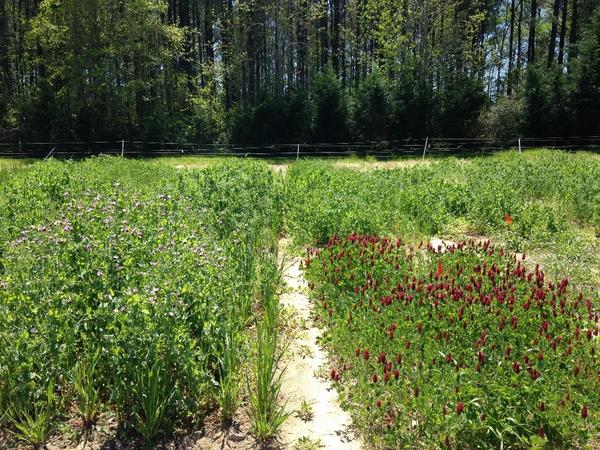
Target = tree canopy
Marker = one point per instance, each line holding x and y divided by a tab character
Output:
258	71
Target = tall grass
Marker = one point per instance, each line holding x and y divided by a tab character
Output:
32	421
85	385
229	384
266	408
153	391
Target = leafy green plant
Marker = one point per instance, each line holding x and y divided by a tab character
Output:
464	348
306	443
124	256
306	411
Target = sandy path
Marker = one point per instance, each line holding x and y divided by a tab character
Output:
329	424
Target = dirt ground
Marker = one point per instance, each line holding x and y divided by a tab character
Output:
282	167
318	418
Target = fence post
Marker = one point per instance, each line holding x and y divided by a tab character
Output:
20	147
520	146
122	147
298	153
425	148
49	154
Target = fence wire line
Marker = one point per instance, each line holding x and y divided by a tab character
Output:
391	148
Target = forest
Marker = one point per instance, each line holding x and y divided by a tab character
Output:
258	71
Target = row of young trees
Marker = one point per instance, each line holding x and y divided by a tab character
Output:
261	71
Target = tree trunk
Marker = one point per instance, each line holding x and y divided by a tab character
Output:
553	32
563	31
324	33
278	81
227	32
302	46
510	49
501	59
185	60
335	46
532	23
573	33
5	75
197	42
519	41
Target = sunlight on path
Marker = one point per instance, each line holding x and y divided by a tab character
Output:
324	423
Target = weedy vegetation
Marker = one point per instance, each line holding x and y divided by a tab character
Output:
306	411
544	203
266	410
307	443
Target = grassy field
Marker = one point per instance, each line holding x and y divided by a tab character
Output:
144	295
9	166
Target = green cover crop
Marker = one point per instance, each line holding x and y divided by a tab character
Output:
122	284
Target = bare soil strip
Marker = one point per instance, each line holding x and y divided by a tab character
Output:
317	418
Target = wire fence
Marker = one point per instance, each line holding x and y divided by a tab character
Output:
415	147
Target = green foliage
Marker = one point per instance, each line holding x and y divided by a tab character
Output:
505	119
152	393
229	383
331	112
412	104
459	105
548	195
85	386
371	109
536	100
130	39
266	411
250	72
128	256
272	120
207	117
132	288
31	421
585	97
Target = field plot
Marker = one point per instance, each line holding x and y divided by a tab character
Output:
484	346
143	303
544	203
460	347
126	291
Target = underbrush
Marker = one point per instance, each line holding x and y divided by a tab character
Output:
459	347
